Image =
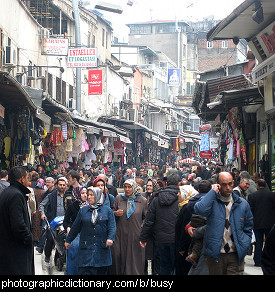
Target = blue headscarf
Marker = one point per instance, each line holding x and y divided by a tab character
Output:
131	199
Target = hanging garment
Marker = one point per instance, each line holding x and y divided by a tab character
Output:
56	137
64	130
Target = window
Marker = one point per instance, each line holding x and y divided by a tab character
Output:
224	44
209	45
141	29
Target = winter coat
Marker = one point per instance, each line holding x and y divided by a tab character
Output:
92	244
162	216
268	255
241	221
262	204
16	241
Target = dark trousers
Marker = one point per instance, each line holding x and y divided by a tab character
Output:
167	258
93	270
49	245
259	236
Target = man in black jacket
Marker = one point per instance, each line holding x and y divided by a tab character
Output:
161	216
16	241
262	204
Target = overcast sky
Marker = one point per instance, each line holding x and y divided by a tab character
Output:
145	10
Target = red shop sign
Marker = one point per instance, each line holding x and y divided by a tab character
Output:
206	154
94	82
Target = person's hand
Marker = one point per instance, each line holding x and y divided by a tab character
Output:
68	230
190	231
109	242
216	187
143	244
67	245
43	217
181	253
119	212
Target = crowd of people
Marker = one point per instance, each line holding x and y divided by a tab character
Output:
194	219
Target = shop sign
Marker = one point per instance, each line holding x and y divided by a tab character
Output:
205	145
82	57
2	111
205	129
264	69
94	82
263	45
206	154
214	143
174	77
55	46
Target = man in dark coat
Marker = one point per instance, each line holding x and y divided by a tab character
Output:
161	217
16	241
262	204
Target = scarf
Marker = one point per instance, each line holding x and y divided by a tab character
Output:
131	199
76	196
186	193
99	201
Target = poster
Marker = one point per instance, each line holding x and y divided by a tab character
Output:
94	82
174	77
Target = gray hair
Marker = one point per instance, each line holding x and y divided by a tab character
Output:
244	174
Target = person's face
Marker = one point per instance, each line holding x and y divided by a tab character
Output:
255	177
226	182
70	180
237	174
149	187
100	184
24	180
49	184
61	186
128	190
244	185
91	197
84	195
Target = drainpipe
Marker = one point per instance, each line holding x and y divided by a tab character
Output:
78	44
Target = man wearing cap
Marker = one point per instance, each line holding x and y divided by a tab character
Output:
111	178
51	207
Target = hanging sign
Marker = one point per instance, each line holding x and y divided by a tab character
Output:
82	57
206	154
94	82
55	46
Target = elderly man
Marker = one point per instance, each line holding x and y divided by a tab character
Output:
242	188
229	227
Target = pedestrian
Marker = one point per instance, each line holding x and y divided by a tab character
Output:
50	185
36	218
252	185
4	180
242	188
161	217
130	210
79	200
51	207
268	255
100	182
119	175
97	228
262	204
16	241
229	227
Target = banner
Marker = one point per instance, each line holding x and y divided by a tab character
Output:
174	77
56	47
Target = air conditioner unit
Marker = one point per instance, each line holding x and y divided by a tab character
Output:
45	33
123	114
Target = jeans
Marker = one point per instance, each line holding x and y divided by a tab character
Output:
93	271
259	236
167	258
71	258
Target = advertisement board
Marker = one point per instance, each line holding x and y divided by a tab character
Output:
82	57
94	82
55	46
174	77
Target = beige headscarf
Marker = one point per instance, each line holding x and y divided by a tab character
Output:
186	193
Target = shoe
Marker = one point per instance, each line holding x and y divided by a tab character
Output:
40	250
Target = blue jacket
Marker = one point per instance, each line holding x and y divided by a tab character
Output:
241	221
92	250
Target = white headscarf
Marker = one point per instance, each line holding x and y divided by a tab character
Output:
99	201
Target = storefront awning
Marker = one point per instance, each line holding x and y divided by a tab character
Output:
12	92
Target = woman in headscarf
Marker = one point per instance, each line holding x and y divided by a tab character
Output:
151	251
108	198
97	227
185	194
130	209
79	200
38	192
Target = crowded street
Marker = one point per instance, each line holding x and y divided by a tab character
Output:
136	138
